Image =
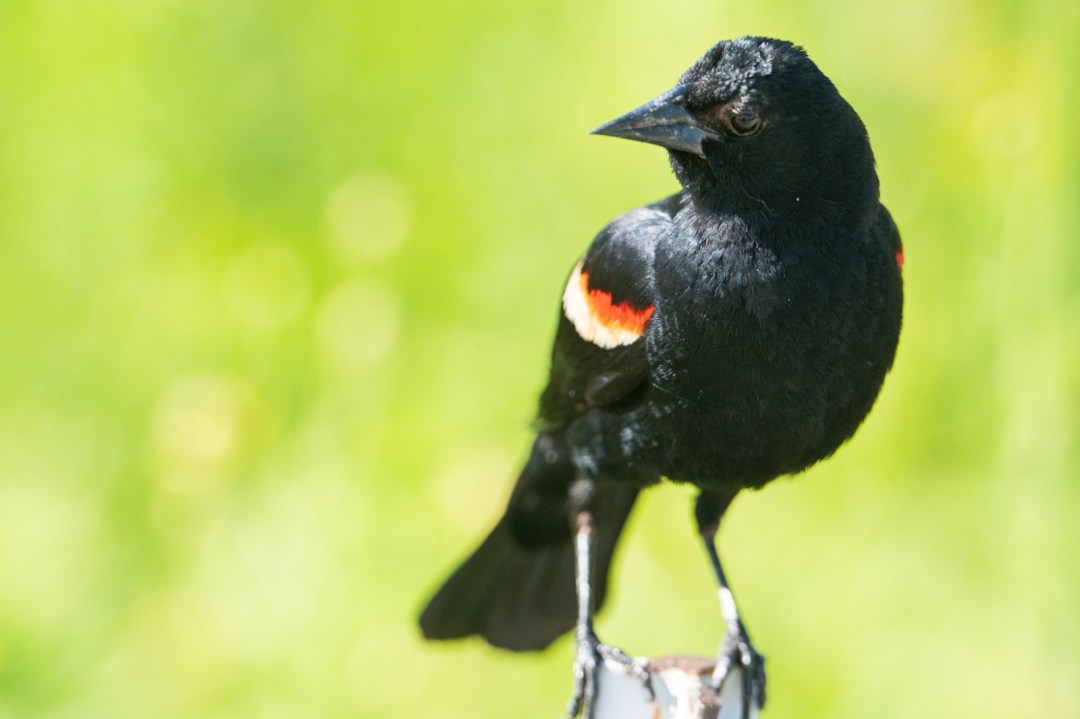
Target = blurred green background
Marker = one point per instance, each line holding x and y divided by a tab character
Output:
278	285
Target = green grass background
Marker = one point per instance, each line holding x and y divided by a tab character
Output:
277	286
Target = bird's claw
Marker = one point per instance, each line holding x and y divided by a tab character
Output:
737	651
590	654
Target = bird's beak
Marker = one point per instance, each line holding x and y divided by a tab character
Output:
662	121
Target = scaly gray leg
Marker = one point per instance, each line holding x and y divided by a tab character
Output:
590	652
735	648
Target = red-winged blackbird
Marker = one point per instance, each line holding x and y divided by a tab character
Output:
734	332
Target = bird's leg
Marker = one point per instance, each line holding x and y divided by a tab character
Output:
590	652
735	648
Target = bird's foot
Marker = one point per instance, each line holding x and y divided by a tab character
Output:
736	651
590	656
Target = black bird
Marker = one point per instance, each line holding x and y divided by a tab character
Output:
734	332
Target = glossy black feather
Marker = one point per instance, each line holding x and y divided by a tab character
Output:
777	307
517	589
619	261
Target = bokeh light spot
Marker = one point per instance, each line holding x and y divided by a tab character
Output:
367	217
49	554
1010	114
464	488
357	324
196	429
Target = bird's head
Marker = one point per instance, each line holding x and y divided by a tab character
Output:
755	123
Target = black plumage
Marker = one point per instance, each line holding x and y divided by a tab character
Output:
768	298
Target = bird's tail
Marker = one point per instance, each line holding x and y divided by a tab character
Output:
517	589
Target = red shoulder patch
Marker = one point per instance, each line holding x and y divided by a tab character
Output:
620	316
598	318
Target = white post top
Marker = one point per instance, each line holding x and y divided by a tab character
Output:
680	684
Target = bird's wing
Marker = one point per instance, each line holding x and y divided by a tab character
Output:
599	354
885	227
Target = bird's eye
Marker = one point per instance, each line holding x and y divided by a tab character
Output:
745	122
